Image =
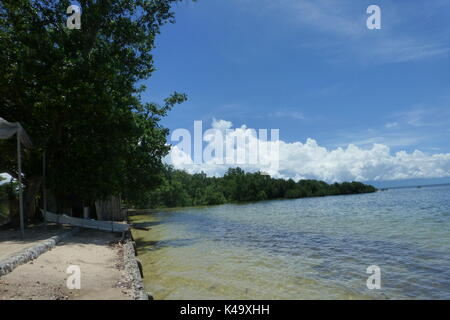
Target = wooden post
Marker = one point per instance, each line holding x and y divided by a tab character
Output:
44	191
112	219
86	212
19	167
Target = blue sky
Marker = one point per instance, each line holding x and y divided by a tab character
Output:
350	103
313	70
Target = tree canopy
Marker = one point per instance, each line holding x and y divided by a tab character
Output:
180	188
78	94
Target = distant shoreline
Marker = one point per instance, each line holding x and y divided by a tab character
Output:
134	212
418	186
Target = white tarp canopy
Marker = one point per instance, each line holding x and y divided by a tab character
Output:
7	130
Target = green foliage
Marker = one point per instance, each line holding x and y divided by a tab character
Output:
8	190
180	188
3	190
77	94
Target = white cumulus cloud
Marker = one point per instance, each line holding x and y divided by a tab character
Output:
309	160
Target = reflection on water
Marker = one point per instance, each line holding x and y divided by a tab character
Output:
315	248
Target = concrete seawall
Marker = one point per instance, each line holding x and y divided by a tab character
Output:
133	268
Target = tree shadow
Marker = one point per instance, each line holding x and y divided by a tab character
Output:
93	237
32	233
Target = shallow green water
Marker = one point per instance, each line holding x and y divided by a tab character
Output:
316	248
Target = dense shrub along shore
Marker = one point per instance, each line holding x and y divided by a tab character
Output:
179	188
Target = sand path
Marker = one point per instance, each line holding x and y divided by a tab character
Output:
97	253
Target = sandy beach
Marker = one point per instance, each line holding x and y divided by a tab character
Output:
99	256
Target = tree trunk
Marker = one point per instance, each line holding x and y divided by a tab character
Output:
29	196
14	211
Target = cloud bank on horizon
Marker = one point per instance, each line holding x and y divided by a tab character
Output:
309	160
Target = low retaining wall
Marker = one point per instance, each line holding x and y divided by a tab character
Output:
133	270
9	264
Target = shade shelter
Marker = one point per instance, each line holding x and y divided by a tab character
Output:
7	130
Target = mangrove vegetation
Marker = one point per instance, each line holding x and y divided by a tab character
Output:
179	188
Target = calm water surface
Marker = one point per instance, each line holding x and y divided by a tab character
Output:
317	248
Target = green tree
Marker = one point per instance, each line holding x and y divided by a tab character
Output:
180	188
77	93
